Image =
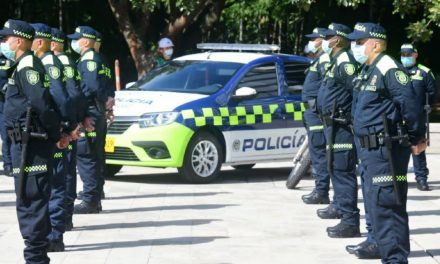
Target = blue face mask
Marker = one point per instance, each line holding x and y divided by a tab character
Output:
312	47
407	61
6	50
359	53
325	46
75	46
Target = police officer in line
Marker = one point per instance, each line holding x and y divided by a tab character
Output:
27	97
91	147
313	124
54	70
334	104
425	88
385	100
5	64
164	52
78	105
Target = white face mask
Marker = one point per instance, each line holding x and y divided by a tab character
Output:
75	46
312	47
325	46
359	53
168	53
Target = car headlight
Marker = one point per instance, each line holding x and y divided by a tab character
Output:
157	119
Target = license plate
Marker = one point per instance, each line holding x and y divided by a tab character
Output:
109	145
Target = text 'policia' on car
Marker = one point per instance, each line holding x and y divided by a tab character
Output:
235	104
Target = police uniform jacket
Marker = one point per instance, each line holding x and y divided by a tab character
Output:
27	86
386	88
337	84
423	81
57	88
315	74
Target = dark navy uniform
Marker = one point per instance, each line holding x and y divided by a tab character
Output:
424	83
5	64
27	88
385	89
313	124
336	90
91	147
54	72
78	106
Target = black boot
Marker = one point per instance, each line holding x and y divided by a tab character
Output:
330	212
86	208
352	248
370	251
422	185
308	195
69	225
55	246
79	196
316	198
343	230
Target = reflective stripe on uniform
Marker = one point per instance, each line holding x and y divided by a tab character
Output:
89	134
316	128
388	178
58	155
240	114
35	168
347	146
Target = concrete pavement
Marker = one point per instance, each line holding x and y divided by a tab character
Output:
151	217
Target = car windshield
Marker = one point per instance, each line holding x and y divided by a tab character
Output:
203	77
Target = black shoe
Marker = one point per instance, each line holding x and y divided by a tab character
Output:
69	226
343	230
55	246
352	248
7	171
102	195
79	196
370	251
308	195
316	198
422	185
86	208
329	212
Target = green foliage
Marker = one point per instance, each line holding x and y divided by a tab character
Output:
350	3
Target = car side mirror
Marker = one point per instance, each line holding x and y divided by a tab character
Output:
130	84
294	89
244	93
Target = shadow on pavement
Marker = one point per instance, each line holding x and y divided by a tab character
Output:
423	253
425	212
426	230
186	222
145	242
168	207
8	203
7	191
158	195
226	176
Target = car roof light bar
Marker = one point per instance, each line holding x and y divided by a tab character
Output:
238	47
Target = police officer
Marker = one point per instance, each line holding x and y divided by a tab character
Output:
91	147
54	70
164	52
78	105
425	88
5	64
29	100
313	124
334	104
385	100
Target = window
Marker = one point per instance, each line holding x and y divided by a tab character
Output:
295	74
263	79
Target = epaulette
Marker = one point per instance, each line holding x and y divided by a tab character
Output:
423	68
342	58
88	56
385	64
324	58
48	60
64	59
27	61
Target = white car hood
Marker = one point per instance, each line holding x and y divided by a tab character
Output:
136	103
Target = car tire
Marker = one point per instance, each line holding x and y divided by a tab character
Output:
243	167
110	170
201	167
299	170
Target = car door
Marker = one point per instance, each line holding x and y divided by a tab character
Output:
256	133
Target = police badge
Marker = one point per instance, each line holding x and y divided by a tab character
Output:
32	77
401	77
54	72
68	71
91	66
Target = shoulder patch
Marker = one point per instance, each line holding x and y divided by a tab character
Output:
349	68
48	60
342	58
64	60
69	72
88	56
324	58
27	61
54	72
91	66
385	64
424	68
32	77
401	77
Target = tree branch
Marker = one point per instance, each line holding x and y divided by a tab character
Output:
179	24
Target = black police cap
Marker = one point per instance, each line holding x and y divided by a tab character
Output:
335	29
42	31
58	35
317	33
83	32
18	28
368	30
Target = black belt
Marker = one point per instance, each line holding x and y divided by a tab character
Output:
14	134
371	141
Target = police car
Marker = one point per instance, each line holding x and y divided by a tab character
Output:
234	104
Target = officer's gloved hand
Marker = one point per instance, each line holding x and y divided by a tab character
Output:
420	147
75	134
88	124
64	141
